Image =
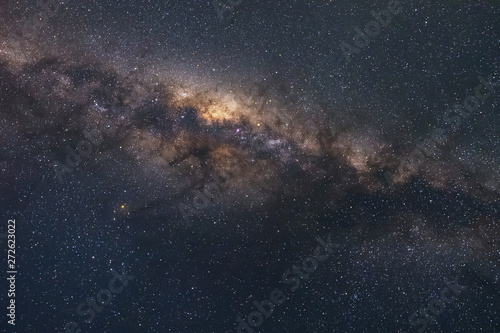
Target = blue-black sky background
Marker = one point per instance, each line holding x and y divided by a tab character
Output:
306	140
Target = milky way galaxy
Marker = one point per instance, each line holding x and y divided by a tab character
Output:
202	149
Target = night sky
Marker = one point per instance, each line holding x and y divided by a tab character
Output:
302	166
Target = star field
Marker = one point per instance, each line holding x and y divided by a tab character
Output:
251	166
